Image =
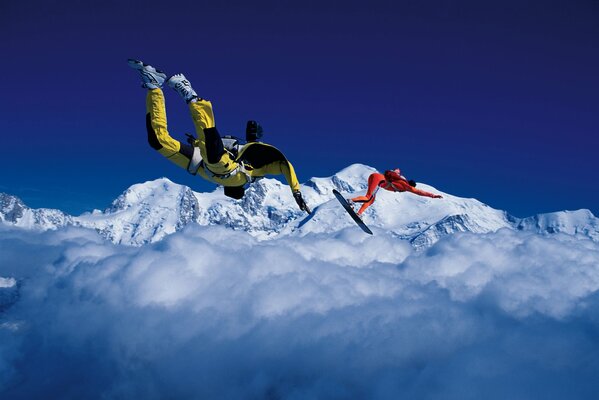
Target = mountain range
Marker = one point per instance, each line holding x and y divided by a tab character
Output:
147	212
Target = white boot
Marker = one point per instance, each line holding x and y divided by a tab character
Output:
183	87
152	78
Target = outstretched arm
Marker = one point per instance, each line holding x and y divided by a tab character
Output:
423	193
284	167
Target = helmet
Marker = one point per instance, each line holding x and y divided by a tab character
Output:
253	131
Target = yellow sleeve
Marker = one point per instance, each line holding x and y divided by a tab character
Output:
279	168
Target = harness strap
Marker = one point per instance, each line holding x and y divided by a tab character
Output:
240	169
221	176
197	162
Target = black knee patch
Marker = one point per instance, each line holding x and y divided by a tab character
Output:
214	145
235	192
152	138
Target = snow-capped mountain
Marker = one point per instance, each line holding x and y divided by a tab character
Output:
579	222
421	220
14	212
149	211
144	213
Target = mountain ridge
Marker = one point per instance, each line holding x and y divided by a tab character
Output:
147	212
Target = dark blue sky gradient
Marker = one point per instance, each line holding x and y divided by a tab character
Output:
494	101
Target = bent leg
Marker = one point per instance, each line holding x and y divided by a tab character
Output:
374	181
209	141
366	204
368	200
158	135
202	115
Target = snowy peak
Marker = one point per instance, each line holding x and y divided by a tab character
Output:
149	194
145	213
351	179
149	211
11	208
421	220
579	222
14	212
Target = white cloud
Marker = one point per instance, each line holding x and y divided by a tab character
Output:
214	313
524	273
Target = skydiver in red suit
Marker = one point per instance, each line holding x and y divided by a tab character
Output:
392	181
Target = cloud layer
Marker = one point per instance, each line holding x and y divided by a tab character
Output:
213	313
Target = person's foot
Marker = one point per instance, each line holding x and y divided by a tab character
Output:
350	202
183	87
152	78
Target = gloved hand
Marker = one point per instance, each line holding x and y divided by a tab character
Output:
297	195
437	196
190	138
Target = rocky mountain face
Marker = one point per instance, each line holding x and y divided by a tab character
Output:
149	211
14	212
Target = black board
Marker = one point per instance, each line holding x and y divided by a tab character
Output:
351	212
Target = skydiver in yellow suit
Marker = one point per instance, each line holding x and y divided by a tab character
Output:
216	159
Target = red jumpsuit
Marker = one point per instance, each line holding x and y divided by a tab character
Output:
392	181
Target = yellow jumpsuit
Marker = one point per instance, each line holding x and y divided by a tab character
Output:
259	159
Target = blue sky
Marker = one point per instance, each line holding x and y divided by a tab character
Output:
494	101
